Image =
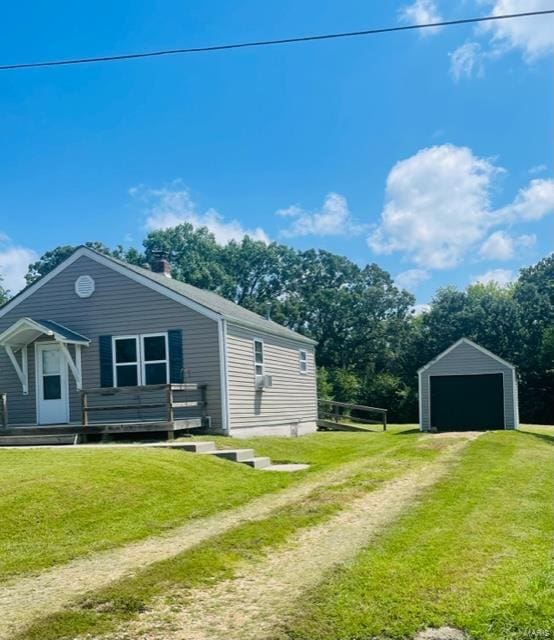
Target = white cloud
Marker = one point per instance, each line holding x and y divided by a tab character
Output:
437	206
526	241
498	246
14	262
531	203
411	278
501	246
438	210
333	219
538	168
533	36
421	12
502	277
169	206
466	60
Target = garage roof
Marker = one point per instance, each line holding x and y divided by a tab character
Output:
471	343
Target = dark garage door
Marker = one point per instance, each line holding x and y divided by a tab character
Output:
467	402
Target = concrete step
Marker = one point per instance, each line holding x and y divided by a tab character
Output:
258	462
236	455
30	441
194	447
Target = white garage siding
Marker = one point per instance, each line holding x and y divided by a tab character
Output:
467	358
289	406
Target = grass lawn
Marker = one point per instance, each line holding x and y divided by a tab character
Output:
323	449
217	558
475	555
58	505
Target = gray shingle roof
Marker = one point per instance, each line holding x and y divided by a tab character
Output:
62	331
232	312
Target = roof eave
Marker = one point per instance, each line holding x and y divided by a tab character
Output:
297	337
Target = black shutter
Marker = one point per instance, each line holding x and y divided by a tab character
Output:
106	361
175	342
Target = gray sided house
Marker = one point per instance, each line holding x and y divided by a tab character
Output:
467	387
98	341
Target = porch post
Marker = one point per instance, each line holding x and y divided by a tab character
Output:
75	368
22	371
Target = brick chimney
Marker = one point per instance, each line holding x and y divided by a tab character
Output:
160	264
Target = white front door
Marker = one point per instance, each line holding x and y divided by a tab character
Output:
52	388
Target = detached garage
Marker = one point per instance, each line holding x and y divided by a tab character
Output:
467	388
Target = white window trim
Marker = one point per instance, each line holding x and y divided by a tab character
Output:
303	361
142	352
140	363
257	376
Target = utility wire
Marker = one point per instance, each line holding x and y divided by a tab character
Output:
265	43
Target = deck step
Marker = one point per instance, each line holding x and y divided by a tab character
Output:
38	440
236	455
259	462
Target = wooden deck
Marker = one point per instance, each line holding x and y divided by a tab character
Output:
106	427
121	401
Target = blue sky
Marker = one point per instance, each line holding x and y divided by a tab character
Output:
429	153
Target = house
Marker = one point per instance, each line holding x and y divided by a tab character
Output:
99	345
467	387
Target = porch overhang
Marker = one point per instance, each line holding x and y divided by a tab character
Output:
19	335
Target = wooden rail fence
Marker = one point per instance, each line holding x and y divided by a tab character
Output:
168	404
343	416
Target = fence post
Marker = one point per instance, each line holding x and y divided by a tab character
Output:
204	400
385	421
84	408
169	401
4	409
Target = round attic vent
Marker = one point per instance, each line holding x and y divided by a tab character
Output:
84	286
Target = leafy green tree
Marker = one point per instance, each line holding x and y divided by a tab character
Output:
51	259
324	386
4	295
194	255
388	391
346	385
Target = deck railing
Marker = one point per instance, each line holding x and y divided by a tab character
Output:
4	410
168	404
344	416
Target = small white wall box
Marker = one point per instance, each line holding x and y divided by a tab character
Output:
264	382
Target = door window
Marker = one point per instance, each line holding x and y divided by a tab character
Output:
51	375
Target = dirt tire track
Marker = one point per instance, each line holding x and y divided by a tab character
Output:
24	599
253	605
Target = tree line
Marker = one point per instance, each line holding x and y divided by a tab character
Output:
370	341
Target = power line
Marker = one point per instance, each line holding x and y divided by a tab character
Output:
265	43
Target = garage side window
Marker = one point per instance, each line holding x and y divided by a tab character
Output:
258	358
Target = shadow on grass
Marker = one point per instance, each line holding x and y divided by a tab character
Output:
407	432
542	436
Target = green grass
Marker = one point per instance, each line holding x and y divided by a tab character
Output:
476	555
58	505
323	449
219	557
